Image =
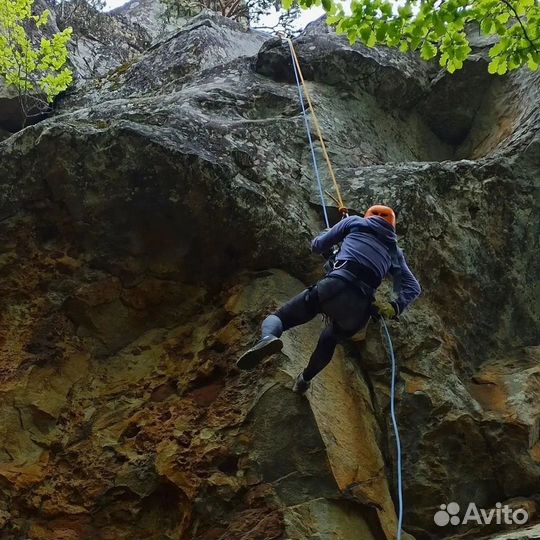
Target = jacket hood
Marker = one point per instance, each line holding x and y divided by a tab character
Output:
382	229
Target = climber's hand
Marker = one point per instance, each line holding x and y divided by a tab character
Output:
388	310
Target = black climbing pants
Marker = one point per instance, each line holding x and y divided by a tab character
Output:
347	307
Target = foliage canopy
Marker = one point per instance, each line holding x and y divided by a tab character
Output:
437	28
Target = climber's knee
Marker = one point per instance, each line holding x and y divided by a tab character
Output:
272	326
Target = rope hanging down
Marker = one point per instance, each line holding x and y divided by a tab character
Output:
311	146
298	74
395	426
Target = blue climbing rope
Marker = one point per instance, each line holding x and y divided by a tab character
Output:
308	131
395	425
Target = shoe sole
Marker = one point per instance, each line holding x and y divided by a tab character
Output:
253	357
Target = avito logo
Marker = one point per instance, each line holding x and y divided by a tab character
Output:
449	514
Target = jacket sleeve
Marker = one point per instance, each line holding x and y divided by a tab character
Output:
406	286
334	236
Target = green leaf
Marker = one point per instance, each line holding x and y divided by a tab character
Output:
444	59
428	51
462	52
405	11
365	32
521	9
327	5
495	50
493	66
439	27
380	33
371	40
386	9
393	32
419	29
500	28
332	20
486	26
533	66
415	43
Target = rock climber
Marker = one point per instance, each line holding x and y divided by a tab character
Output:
346	295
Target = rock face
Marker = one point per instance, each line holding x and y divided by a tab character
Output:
149	225
149	15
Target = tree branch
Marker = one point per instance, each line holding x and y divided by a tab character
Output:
511	7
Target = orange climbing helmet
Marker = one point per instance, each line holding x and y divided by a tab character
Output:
382	211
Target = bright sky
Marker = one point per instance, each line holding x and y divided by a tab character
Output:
270	20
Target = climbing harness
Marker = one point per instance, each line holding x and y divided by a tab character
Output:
395	426
303	91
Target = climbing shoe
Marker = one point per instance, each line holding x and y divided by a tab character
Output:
301	386
265	347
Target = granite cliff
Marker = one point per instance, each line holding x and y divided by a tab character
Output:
166	207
